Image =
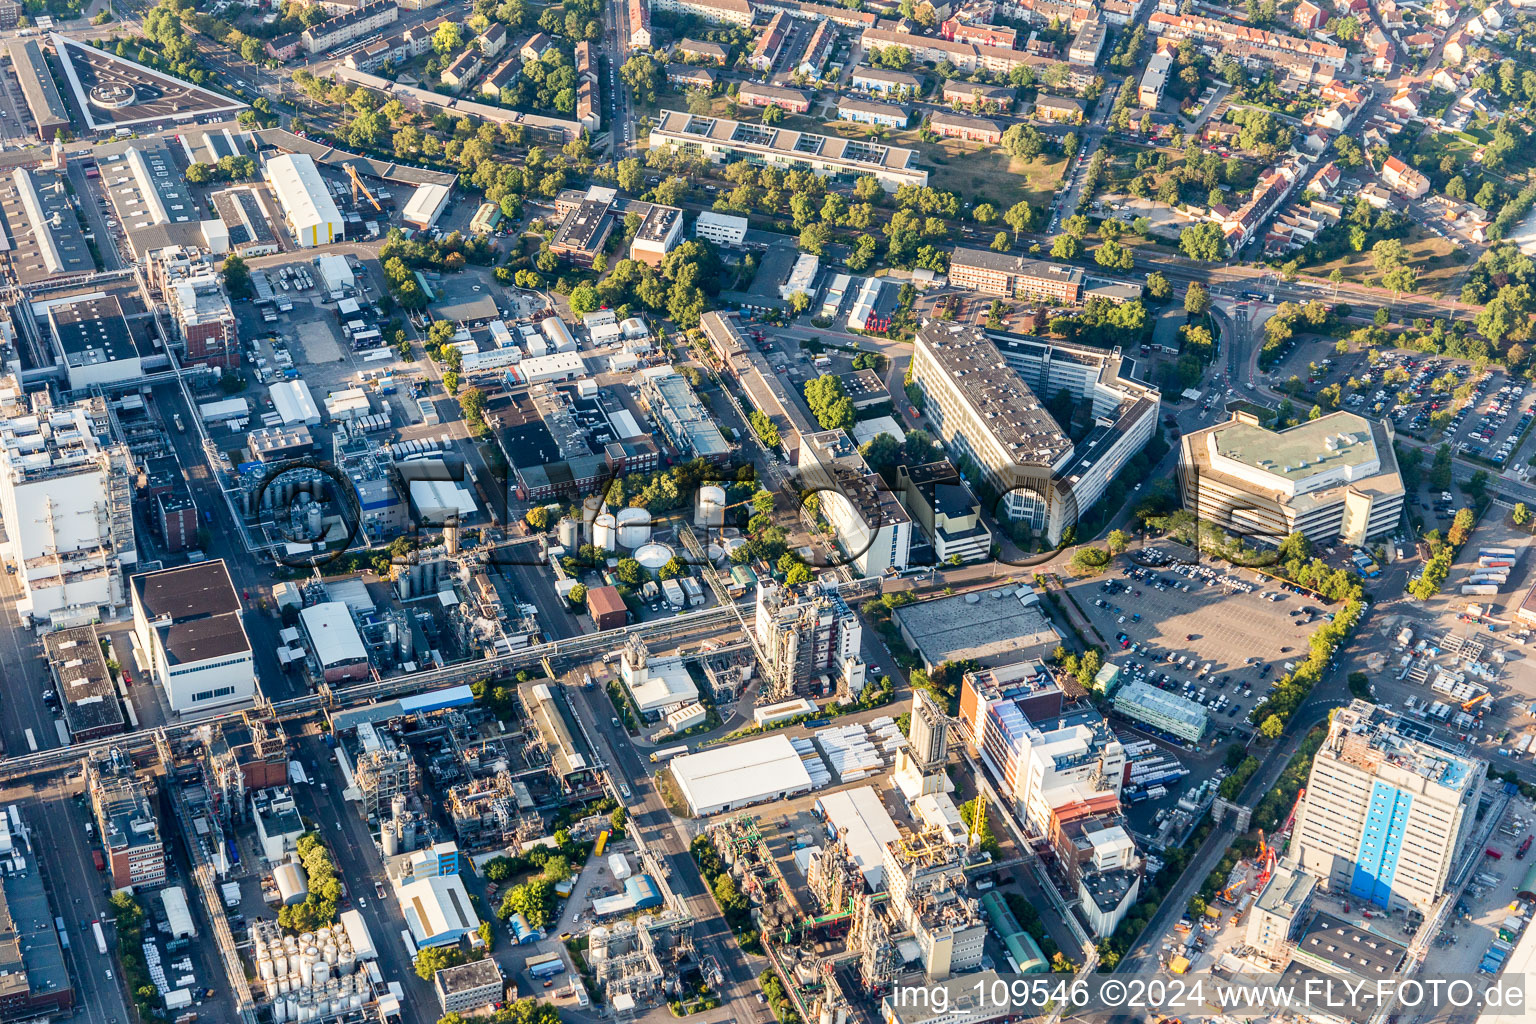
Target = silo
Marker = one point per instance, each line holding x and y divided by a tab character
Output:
279	1011
314	519
389	838
397	805
451	536
605	533
569	533
591	506
597	943
709	510
634	528
653	556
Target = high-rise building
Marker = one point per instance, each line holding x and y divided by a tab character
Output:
124	809
1386	809
65	499
805	633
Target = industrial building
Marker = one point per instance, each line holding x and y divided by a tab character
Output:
308	209
35	980
1168	713
722	140
175	520
925	876
938	499
740	775
1386	811
432	897
93	341
872	528
998	627
37	87
981	391
66	501
657	685
189	638
84	686
683	418
468	987
46	240
1334	479
810	640
426	204
858	820
123	806
589	219
205	323
333	638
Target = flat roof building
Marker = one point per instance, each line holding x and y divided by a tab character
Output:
1165	712
740	775
35	980
1332	478
872	527
683	418
1013	276
189	636
337	646
981	389
1154	80
468	987
308	209
721	140
94	342
83	684
45	237
858	819
426	205
1388	807
1283	907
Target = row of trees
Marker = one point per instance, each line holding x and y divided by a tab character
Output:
319	907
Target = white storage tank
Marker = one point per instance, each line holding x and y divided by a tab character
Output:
591	506
634	528
709	511
569	533
653	556
605	532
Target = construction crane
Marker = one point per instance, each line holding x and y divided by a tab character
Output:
357	184
1475	701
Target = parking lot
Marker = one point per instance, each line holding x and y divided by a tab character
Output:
1213	633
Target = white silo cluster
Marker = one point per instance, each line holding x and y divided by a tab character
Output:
626	529
308	977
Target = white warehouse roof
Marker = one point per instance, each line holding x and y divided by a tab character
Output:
177	917
426	205
861	820
294	403
333	634
742	774
438	910
306	202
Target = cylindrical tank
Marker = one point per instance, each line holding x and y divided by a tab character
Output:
653	556
320	972
314	519
634	527
397	804
451	536
714	553
605	532
597	943
346	963
709	509
732	544
330	953
568	532
591	507
389	838
265	968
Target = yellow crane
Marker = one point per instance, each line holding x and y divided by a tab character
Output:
1474	702
357	185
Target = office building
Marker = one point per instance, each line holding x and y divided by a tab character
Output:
1387	810
66	502
946	509
721	228
660	229
980	389
808	635
468	987
683	418
872	529
1011	276
124	808
1048	761
1281	911
723	141
1166	713
308	209
188	635
1334	478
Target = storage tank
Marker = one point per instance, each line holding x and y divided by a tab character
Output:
605	533
733	544
389	838
569	533
709	510
634	528
591	506
653	556
397	805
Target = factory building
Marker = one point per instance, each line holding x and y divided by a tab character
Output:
188	636
80	678
35	981
308	209
123	806
205	323
926	879
38	88
1386	811
1334	479
740	775
93	341
683	418
334	640
175	519
810	639
426	204
980	389
66	501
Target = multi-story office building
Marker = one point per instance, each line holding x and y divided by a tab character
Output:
683	418
805	633
980	389
873	529
204	322
1386	810
129	831
1332	478
1001	273
1281	912
947	510
1046	760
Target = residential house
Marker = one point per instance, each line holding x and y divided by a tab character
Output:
503	75
978	95
536	47
493	40
963	126
886	83
464	67
690	76
1307	16
1404	179
701	52
1059	108
884	115
795	101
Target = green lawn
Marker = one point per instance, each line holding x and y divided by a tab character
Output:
1439	263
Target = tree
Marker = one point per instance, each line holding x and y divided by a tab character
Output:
674	568
1001	242
1118	541
1522	513
578	595
1196	299
1114	256
449	38
1271	727
1158	287
1203	242
829	402
472	405
584	299
434	958
537	517
1066	247
1019	217
1069	145
237	277
641	73
798	573
773	114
